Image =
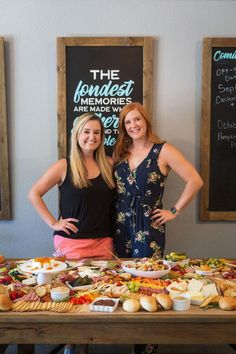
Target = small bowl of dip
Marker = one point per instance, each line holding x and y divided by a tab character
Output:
181	302
104	304
61	293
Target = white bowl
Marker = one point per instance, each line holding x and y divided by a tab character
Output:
181	303
61	293
104	308
176	293
127	267
172	263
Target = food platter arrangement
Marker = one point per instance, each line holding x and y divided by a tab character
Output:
175	283
147	268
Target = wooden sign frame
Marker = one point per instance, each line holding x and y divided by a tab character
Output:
208	44
4	163
62	43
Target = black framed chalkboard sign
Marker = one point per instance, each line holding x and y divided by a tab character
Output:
5	213
101	75
218	137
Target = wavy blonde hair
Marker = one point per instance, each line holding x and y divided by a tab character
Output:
121	151
79	171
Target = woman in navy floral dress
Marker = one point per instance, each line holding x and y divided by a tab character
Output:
143	162
139	192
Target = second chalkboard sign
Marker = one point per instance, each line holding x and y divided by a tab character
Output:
218	147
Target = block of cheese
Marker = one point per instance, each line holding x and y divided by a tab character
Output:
209	289
195	285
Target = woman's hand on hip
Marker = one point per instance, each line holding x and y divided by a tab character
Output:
161	216
65	225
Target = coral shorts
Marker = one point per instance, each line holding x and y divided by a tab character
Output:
84	248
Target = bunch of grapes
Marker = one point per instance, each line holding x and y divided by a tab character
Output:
133	286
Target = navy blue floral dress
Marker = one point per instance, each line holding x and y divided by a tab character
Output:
139	192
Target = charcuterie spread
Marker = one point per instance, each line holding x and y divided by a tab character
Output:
139	285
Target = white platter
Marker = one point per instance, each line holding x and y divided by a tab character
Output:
144	273
27	267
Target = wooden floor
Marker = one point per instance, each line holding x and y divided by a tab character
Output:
126	349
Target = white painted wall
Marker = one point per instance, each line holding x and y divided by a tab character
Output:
30	28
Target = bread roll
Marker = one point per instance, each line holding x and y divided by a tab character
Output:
148	303
131	305
3	290
164	301
2	259
5	303
227	303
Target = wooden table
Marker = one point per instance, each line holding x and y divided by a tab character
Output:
196	326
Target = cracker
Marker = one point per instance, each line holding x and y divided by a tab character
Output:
65	307
25	307
20	304
38	306
32	306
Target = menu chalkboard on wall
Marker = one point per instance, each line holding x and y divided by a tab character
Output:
101	75
218	145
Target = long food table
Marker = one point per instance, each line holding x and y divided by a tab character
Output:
195	326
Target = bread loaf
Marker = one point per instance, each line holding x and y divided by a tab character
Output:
131	305
164	301
148	303
5	303
227	303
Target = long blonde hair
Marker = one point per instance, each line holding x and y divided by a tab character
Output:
121	151
79	171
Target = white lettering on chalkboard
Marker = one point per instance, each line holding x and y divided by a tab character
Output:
108	74
227	89
91	101
230	100
226	137
233	145
226	125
